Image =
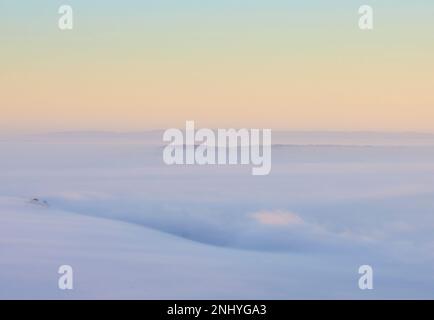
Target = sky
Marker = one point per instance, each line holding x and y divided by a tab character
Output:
138	65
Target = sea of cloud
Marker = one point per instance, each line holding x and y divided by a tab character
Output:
372	204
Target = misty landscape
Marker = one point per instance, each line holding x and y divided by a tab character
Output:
133	227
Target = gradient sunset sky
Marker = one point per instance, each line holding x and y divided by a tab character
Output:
137	65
